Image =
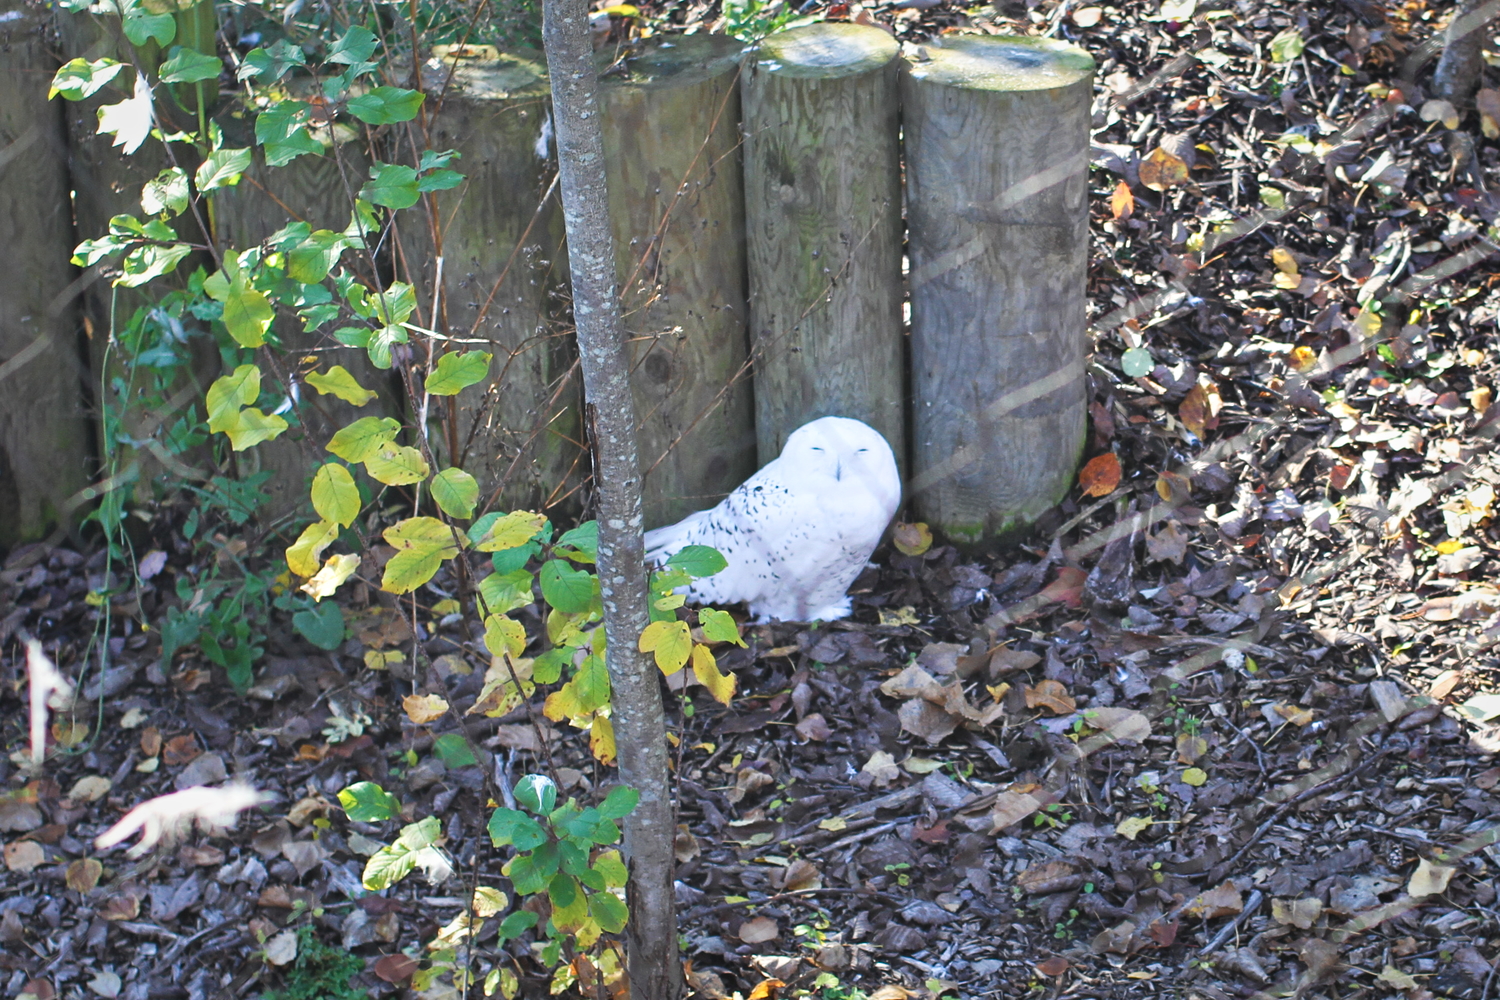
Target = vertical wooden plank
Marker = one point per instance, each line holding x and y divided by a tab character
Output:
996	133
44	435
823	217
671	140
501	256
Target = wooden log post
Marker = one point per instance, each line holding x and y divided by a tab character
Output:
44	434
996	133
318	190
823	216
501	259
671	137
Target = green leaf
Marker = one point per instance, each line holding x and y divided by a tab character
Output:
619	803
1287	45
456	492
386	105
391	864
397	465
517	923
609	912
591	684
148	261
282	131
1137	362
393	185
222	168
311	260
79	78
1272	198
167	192
364	438
502	592
440	180
334	495
516	829
571	591
270	63
367	802
142	26
504	635
355	46
380	343
421	543
247	313
230	392
251	427
671	642
584	540
456	372
338	382
537	794
185	65
611	866
698	561
322	625
719	626
494	532
453	750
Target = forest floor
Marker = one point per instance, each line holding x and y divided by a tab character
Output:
1242	744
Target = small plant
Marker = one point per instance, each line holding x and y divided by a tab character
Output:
1054	816
320	972
752	20
1063	929
899	870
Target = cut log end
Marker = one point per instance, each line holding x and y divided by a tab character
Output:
1002	63
826	51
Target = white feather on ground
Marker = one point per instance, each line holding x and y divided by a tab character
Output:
799	531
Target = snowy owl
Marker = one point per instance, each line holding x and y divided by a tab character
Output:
799	531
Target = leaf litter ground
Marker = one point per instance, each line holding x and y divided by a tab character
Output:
1224	725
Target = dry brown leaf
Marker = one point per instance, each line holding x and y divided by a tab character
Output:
395	968
1100	476
1010	808
1429	879
1115	724
1052	967
1295	714
1299	913
759	930
1224	901
1051	696
801	874
180	750
424	708
23	856
1193	410
1439	110
83	875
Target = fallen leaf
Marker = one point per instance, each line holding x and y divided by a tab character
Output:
801	874
90	788
23	856
1295	714
759	930
1488	103
1010	808
1428	880
911	539
1132	827
281	949
1194	776
424	708
1439	110
1300	913
1100	476
106	984
1052	967
1051	696
395	968
1122	202
181	749
83	875
1161	170
1396	979
1223	901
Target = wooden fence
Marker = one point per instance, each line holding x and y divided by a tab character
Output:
766	258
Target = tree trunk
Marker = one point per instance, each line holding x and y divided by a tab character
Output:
1457	73
651	935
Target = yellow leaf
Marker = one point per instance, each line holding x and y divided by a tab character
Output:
706	669
500	695
424	708
1449	546
504	635
1132	827
912	539
563	704
671	642
1288	282
489	901
302	558
1396	979
338	382
511	531
334	495
1284	261
833	824
335	571
228	394
363	438
377	659
602	740
422	543
1429	879
251	427
1194	776
456	492
397	465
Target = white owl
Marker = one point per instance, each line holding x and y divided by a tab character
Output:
799	531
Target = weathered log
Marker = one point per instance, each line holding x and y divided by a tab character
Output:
671	142
996	133
501	258
823	217
44	434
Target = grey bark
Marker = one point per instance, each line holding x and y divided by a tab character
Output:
651	935
1457	73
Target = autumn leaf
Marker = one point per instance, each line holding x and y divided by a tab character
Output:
912	539
424	708
1052	696
1488	103
1161	170
1122	202
1100	476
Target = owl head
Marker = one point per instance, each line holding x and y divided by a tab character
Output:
845	451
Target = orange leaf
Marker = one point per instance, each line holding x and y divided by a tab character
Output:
1122	202
764	989
1193	410
1101	475
1162	170
1174	487
1053	967
1052	696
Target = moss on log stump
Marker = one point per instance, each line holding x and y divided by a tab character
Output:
823	216
501	257
44	435
671	143
996	133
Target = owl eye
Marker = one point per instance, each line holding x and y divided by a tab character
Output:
816	448
861	451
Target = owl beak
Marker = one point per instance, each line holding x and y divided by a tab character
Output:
838	471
